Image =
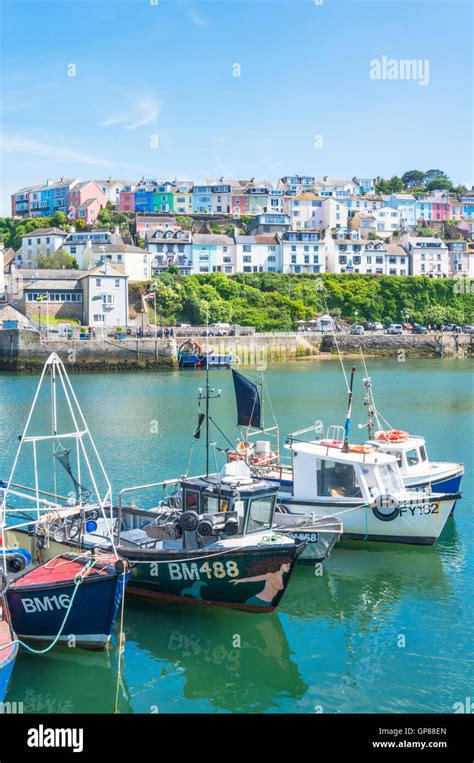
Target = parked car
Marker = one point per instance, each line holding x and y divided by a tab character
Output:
449	327
418	329
468	329
407	326
378	326
357	329
369	326
395	328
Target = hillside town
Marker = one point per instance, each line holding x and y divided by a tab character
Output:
107	234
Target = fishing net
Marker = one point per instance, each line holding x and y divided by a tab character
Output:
62	455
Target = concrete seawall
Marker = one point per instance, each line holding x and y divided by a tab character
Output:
26	351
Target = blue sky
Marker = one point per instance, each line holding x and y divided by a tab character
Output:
166	70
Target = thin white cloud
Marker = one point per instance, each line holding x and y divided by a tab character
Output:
17	144
143	111
197	20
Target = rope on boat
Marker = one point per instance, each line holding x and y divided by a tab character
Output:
79	578
121	647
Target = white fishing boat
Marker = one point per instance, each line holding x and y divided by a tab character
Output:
364	488
416	469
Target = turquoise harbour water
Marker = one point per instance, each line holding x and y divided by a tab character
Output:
333	644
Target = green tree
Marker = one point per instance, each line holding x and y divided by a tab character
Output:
413	178
60	260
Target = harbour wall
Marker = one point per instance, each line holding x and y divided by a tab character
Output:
25	350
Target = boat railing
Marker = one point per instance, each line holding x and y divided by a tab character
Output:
316	428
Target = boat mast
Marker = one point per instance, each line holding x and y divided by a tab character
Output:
347	423
210	394
369	403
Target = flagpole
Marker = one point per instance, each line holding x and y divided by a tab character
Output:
154	299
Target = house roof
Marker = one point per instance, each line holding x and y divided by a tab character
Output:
10	313
45	232
46	275
212	238
122	248
57	283
104	269
395	250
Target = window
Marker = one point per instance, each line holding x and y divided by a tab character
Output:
334	479
117	283
99	318
247	248
97	281
260	514
247	258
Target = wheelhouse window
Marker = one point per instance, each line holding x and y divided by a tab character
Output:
423	455
212	504
260	514
390	476
191	500
413	457
337	480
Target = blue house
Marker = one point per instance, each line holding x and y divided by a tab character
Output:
202	199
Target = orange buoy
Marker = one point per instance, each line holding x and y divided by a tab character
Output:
392	435
331	443
361	449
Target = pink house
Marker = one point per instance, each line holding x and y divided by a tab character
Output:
126	201
85	201
239	204
440	210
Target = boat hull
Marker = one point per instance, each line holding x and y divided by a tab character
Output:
418	522
38	610
253	579
9	653
320	537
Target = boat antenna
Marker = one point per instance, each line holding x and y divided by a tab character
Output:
209	394
369	402
347	423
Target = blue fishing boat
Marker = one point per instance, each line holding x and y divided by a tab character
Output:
68	599
8	649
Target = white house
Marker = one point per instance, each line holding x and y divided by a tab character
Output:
327	186
396	260
406	204
312	211
213	253
383	221
258	254
136	262
113	188
429	256
349	253
105	291
170	247
303	251
44	241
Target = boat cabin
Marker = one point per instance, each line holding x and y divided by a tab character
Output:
410	453
251	500
324	472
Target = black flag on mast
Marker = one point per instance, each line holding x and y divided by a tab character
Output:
248	401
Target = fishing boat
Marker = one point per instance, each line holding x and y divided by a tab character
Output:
192	355
8	648
416	469
70	599
362	486
54	596
214	545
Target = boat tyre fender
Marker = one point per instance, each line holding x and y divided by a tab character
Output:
386	507
121	566
4	583
188	520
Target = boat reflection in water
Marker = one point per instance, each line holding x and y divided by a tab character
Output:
78	682
365	582
220	655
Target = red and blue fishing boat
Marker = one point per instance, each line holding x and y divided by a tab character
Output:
68	599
